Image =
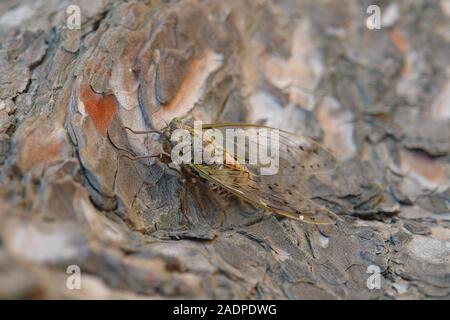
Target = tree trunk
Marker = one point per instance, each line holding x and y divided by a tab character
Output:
378	98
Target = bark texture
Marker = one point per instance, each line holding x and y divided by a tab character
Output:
380	99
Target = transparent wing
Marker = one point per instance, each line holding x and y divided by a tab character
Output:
284	192
298	155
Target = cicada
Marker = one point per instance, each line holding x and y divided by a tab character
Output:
284	192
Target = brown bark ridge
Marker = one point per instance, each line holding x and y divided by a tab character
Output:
378	98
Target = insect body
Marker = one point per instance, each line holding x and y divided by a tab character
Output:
284	192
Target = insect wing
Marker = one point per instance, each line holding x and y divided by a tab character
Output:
298	155
284	192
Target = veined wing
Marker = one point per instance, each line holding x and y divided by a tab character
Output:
284	192
298	155
265	192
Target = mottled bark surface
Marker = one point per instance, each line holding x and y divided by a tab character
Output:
380	99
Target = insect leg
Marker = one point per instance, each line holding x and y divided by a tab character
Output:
129	155
141	132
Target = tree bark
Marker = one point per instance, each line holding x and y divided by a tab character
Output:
379	99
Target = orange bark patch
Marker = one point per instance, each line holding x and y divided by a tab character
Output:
399	41
190	90
431	172
99	107
37	149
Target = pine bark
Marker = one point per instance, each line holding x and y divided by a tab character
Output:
378	98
